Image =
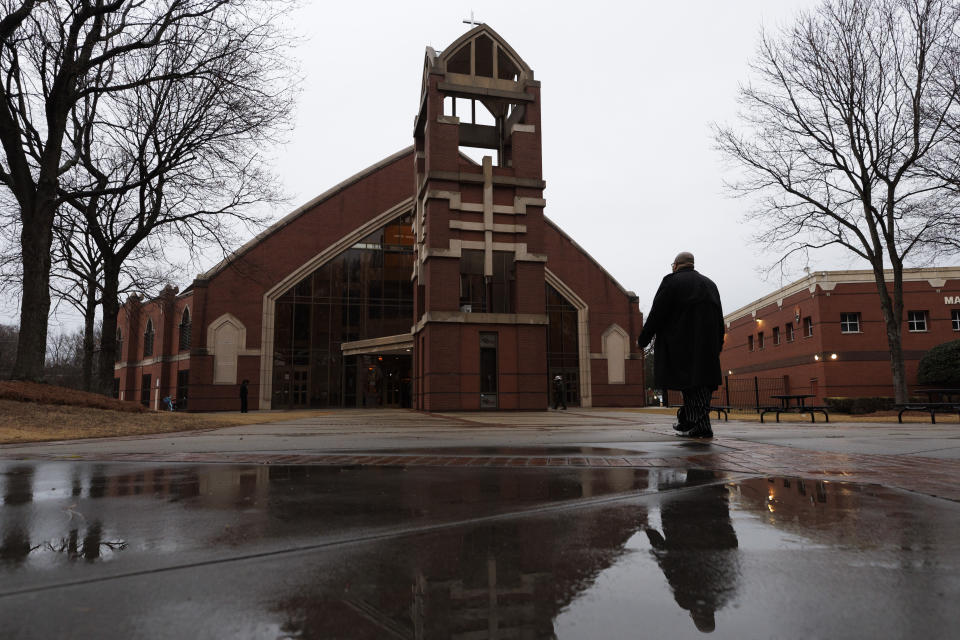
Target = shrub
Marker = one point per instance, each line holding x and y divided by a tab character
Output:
941	365
855	406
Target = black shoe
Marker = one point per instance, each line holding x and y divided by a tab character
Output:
681	426
696	432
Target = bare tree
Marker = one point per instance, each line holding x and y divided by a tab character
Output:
847	113
178	161
53	55
77	280
64	361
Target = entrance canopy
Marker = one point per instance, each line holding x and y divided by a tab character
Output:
399	344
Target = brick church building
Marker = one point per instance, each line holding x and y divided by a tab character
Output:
428	280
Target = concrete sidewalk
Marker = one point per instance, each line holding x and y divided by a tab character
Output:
918	457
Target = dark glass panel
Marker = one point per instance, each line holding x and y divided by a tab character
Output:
506	68
460	61
321	282
483	57
472	283
301	326
350	382
488	367
504	273
283	323
304	288
319	379
354	266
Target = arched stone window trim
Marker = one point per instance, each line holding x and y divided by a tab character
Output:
615	342
148	336
186	330
271	296
226	340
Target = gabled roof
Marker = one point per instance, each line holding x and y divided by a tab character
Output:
442	61
299	211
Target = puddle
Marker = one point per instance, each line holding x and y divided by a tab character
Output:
315	552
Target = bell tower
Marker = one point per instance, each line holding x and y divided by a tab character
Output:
480	323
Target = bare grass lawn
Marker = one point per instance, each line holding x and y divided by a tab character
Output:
31	412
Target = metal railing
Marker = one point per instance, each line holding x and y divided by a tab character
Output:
741	393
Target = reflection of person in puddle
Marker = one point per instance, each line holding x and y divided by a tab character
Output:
697	550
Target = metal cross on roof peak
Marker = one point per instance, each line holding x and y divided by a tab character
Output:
472	22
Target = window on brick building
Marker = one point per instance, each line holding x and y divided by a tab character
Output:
776	336
502	282
749	343
955	319
916	321
473	294
849	323
808	327
480	294
118	356
148	340
186	330
790	335
760	340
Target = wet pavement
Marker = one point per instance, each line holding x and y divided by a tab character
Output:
462	537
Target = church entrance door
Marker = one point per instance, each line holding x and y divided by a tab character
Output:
382	381
292	387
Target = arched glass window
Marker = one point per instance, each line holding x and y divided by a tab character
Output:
563	345
148	339
363	293
186	329
483	57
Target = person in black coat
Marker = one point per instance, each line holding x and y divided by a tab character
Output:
243	396
698	549
687	319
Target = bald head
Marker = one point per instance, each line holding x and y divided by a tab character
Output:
683	259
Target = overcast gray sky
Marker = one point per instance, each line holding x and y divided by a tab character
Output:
629	91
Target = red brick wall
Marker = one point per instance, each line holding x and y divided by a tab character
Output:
862	367
608	304
166	312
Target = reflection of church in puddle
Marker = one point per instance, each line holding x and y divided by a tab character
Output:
497	578
461	571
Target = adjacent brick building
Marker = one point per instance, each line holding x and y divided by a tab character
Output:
428	280
825	334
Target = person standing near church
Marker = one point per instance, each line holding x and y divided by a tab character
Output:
558	399
243	395
687	319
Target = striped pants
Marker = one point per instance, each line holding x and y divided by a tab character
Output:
695	411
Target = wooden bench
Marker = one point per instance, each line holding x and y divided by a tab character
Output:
929	407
